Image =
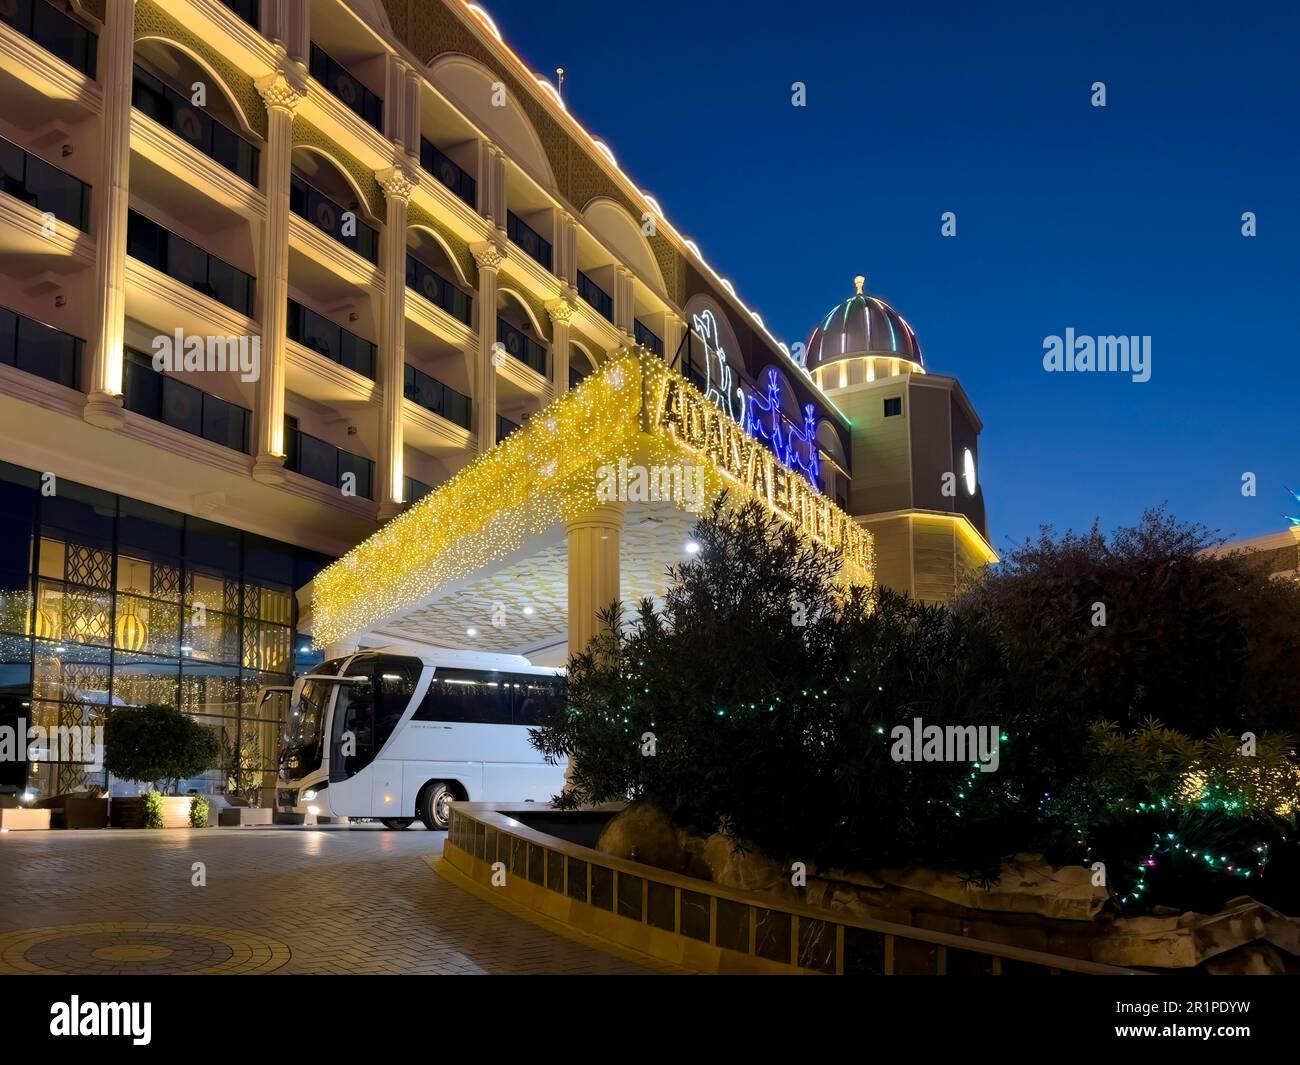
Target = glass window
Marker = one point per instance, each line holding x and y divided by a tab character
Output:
893	406
532	697
466	695
182	406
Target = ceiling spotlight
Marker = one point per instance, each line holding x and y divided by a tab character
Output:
529	611
692	548
471	631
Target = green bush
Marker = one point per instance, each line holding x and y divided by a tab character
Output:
767	694
153	810
157	744
198	812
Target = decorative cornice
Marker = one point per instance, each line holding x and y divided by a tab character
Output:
489	254
397	182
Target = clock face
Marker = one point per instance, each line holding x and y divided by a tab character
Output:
968	470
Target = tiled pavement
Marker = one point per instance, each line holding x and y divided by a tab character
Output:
329	900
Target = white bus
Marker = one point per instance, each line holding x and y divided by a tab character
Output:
395	733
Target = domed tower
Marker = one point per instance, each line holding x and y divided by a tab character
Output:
915	458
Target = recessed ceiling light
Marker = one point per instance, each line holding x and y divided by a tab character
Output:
471	631
528	610
692	548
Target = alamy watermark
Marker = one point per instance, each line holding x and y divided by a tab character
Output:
58	743
1088	354
919	742
674	483
194	354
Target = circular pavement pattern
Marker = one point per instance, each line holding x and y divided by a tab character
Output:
128	947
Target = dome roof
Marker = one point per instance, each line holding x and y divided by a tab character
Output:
862	325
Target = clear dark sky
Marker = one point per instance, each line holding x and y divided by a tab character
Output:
1117	220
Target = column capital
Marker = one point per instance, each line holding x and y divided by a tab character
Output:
398	182
489	254
285	87
562	309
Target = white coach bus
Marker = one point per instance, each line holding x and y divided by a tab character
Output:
395	733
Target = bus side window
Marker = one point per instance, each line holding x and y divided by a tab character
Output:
466	695
533	696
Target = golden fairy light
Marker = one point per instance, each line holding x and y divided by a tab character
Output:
634	406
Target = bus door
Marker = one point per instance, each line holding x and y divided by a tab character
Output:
376	692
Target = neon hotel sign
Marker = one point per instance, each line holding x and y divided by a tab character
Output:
701	424
761	418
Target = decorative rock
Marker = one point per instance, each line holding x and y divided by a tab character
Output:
645	828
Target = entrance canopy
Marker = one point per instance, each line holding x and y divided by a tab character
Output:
612	474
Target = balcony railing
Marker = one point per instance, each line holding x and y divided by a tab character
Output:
505	427
438	290
189	264
195	126
343	85
647	339
413	491
448	172
431	394
45	187
37	349
322	461
245	9
533	243
54	31
521	346
337	344
308	202
182	406
596	296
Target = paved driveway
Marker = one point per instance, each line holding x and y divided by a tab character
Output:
287	900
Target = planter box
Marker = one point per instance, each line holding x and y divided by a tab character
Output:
20	819
127	811
77	811
243	816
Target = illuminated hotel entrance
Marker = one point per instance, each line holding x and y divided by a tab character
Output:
589	502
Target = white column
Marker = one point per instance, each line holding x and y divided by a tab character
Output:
674	331
593	540
282	92
489	255
561	312
492	184
624	305
397	184
103	377
566	248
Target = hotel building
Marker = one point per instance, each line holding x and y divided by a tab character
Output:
419	249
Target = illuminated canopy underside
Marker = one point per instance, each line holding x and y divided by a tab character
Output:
500	520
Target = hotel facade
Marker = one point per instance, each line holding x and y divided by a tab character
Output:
284	282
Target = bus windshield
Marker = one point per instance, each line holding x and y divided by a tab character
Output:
306	718
302	746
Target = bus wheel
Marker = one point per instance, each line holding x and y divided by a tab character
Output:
434	807
397	823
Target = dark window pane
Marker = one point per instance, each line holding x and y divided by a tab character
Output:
182	406
467	696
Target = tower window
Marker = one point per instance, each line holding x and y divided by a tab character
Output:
893	406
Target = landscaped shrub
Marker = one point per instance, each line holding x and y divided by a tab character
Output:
157	743
153	810
198	812
760	699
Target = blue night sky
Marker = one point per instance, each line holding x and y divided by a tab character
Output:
1117	220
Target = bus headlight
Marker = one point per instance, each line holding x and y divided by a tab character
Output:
309	794
313	810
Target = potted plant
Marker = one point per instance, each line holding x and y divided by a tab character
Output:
159	746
